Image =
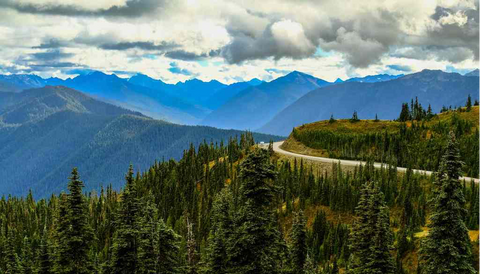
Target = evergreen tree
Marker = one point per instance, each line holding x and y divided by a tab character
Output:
299	245
404	114
354	117
125	241
468	105
376	118
370	235
168	249
75	234
332	120
256	245
381	261
447	248
148	240
12	261
44	259
216	259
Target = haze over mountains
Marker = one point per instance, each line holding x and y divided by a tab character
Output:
49	130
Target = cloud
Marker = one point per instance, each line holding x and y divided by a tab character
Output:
50	55
190	56
401	68
150	46
284	38
175	69
132	8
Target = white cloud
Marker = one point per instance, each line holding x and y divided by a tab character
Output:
239	39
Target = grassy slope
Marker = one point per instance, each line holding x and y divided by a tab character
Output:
364	126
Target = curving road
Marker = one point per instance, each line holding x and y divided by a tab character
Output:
276	148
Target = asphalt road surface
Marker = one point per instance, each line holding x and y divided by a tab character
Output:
276	148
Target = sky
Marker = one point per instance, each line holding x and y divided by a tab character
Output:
230	41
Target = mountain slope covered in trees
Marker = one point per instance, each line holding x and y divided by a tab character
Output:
48	131
436	88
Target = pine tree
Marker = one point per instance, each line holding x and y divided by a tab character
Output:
299	245
376	118
125	241
370	236
381	261
354	117
44	259
12	260
256	245
468	105
216	259
447	248
168	249
404	114
75	234
148	240
332	120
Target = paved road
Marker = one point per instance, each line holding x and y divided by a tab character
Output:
276	148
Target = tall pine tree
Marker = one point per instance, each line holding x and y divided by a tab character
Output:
125	242
75	234
371	237
447	248
299	245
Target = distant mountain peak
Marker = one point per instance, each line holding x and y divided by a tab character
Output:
255	82
473	73
339	80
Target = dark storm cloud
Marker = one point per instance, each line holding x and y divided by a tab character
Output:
190	56
139	45
132	8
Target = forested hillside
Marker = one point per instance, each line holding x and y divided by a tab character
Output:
234	209
414	142
47	131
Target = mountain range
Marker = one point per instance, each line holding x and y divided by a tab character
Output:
432	87
47	131
253	107
272	107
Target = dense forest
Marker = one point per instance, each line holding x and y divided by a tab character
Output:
240	209
415	140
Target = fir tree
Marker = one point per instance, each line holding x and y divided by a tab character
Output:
298	246
447	248
148	240
256	245
12	261
404	114
354	117
44	259
125	242
216	259
370	236
75	234
168	249
332	120
468	105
